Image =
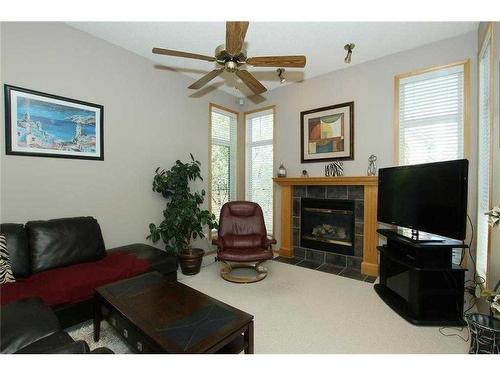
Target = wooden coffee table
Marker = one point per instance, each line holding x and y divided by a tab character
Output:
155	315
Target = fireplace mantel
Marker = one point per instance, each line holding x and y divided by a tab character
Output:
369	266
344	180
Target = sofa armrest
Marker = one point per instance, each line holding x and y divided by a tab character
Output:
24	322
76	347
159	260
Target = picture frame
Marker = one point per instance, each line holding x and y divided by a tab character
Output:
327	133
47	125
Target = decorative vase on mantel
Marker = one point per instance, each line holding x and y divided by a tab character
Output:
282	170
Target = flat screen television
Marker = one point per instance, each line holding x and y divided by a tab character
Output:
430	197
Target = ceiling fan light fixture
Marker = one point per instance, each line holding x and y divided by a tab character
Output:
231	57
280	72
231	66
349	47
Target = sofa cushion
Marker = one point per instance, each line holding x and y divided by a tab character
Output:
74	283
17	244
24	322
64	242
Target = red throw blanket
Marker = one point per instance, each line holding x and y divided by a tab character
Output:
74	283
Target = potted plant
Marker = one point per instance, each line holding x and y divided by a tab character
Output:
183	220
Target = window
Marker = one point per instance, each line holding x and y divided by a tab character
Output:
431	118
222	149
484	156
259	161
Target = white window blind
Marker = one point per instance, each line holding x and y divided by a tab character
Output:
431	122
223	155
259	162
484	139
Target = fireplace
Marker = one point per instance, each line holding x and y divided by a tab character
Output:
328	225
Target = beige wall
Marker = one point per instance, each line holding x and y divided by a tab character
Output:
370	86
150	120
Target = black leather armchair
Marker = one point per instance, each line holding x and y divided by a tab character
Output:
28	326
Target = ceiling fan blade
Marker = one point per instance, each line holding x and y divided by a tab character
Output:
171	52
252	82
278	61
235	36
206	78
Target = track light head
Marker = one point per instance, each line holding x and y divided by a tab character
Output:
349	47
280	75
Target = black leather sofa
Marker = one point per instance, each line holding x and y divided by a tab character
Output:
61	261
28	326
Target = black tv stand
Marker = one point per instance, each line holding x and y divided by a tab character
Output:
419	282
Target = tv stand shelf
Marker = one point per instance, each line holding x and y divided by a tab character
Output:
444	242
406	261
419	281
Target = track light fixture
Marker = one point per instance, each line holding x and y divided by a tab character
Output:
349	47
280	75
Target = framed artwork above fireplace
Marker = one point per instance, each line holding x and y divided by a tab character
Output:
327	133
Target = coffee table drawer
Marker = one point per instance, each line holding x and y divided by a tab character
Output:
129	334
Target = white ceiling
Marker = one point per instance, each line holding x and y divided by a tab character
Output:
322	43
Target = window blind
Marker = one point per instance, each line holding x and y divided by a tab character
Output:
484	139
223	158
431	123
260	163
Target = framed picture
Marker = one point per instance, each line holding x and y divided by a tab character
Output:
327	133
40	124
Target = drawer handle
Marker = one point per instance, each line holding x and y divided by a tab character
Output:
125	333
139	346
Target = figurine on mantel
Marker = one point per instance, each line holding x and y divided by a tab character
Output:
372	165
304	173
282	170
334	169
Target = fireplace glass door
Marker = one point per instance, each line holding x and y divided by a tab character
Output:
328	225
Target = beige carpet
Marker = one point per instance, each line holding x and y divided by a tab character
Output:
298	310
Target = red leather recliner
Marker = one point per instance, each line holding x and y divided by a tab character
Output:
242	238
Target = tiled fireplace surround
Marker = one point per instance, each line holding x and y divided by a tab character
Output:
362	190
355	193
323	260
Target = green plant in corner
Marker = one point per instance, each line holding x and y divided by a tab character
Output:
183	219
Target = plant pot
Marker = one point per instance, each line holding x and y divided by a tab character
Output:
190	261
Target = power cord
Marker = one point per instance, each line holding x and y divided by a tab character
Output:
461	329
476	280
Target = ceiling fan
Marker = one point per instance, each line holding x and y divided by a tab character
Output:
232	56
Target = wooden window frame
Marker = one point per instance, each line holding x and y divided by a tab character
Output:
245	115
211	106
487	33
466	111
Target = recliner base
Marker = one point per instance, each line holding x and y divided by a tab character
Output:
226	273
